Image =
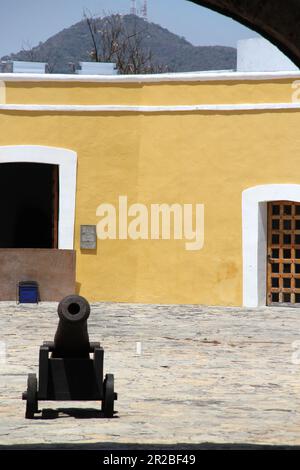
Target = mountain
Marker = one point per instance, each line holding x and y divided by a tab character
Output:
74	44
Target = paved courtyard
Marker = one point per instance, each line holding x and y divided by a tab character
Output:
204	375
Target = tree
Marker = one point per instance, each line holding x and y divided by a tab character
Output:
34	54
114	41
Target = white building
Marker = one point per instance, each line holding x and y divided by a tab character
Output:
259	55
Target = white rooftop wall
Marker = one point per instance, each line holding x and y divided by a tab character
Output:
260	55
28	67
97	68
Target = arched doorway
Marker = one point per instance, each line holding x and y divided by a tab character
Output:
66	161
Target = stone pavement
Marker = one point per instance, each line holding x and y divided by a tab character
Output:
205	375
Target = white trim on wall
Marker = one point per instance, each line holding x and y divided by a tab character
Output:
151	78
67	163
254	209
118	108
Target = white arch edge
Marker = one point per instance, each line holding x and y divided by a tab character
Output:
67	162
254	216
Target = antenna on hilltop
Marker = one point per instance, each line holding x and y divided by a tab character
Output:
133	10
142	12
145	11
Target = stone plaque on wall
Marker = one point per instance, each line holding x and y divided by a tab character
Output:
88	237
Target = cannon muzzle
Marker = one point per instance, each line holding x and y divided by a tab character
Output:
71	339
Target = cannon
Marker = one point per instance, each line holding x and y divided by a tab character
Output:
70	367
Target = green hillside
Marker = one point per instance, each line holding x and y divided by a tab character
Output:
74	44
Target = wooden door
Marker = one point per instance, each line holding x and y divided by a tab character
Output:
283	263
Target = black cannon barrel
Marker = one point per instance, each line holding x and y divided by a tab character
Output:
71	339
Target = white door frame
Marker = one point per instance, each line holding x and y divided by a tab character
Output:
67	163
255	237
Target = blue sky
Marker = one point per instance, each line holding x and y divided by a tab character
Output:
31	21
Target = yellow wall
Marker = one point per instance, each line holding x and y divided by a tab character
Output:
195	157
162	93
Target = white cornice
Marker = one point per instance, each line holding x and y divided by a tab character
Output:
52	108
151	78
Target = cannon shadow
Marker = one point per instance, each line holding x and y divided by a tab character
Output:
69	412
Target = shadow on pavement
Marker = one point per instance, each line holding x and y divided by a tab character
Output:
78	413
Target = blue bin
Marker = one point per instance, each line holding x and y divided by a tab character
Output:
28	292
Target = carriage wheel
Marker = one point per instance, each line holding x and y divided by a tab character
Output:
109	396
31	397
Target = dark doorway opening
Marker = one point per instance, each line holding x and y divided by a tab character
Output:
28	205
